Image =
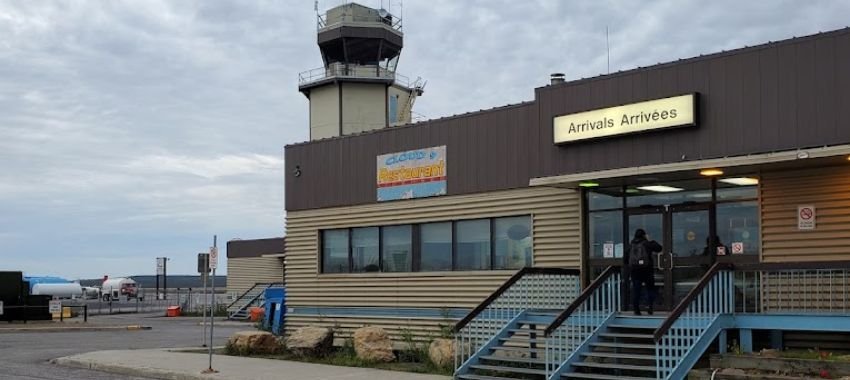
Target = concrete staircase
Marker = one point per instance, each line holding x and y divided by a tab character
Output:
625	349
519	354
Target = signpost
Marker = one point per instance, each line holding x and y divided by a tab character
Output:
806	218
213	263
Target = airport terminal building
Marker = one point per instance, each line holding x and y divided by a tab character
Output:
739	157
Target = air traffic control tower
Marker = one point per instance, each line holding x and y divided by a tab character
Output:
358	88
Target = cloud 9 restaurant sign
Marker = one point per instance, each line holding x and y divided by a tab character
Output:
412	174
677	111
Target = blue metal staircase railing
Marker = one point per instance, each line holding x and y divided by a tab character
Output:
529	288
571	332
694	323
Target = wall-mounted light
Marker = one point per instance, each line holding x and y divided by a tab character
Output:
711	172
297	171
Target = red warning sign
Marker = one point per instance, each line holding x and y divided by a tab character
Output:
806	216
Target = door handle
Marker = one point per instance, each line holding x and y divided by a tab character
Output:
671	260
658	261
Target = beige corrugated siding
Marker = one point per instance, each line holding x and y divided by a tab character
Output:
244	272
556	236
828	189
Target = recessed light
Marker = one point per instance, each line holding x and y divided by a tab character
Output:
848	158
740	181
711	172
588	184
661	188
632	190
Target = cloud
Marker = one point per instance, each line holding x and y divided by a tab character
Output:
136	129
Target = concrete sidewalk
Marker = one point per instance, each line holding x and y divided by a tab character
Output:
171	365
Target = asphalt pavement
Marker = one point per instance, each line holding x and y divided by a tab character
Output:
26	355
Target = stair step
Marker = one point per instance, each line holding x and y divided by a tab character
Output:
597	376
614	355
514	360
481	377
629	367
624	335
527	371
538	350
526	331
631	327
624	345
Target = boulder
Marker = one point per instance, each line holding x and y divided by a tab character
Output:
311	341
254	342
442	352
373	344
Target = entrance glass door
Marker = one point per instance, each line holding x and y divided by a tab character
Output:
683	233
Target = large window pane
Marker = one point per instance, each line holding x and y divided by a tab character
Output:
335	251
473	244
606	198
513	242
397	243
605	232
738	227
436	246
364	249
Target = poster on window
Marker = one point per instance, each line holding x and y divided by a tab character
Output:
413	174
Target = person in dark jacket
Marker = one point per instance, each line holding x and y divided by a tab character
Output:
642	272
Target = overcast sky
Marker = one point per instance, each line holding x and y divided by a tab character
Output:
136	129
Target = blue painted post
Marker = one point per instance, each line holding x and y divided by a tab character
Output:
776	339
746	340
721	340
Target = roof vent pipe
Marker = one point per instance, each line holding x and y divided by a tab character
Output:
556	78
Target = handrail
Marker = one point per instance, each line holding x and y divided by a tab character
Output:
256	284
686	302
807	265
585	294
510	282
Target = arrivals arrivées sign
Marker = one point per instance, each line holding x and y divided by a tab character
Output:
676	111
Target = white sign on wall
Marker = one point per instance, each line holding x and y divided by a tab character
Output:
738	248
806	218
55	307
676	111
608	250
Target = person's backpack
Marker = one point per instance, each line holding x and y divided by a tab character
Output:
639	256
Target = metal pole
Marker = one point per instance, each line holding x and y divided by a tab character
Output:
212	310
204	277
165	279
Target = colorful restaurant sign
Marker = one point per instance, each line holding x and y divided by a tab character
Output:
412	174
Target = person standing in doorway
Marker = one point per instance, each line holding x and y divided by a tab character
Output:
641	268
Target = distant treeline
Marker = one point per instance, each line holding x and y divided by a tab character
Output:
173	281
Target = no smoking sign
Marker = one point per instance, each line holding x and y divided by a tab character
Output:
806	216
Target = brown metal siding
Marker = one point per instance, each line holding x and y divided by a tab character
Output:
774	97
255	247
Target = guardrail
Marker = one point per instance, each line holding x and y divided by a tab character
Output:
344	70
529	288
390	21
581	319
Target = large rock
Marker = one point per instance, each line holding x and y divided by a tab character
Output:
373	344
442	352
311	341
254	342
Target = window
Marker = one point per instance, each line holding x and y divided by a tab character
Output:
335	251
480	244
738	227
605	234
365	249
473	244
436	246
512	239
397	243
